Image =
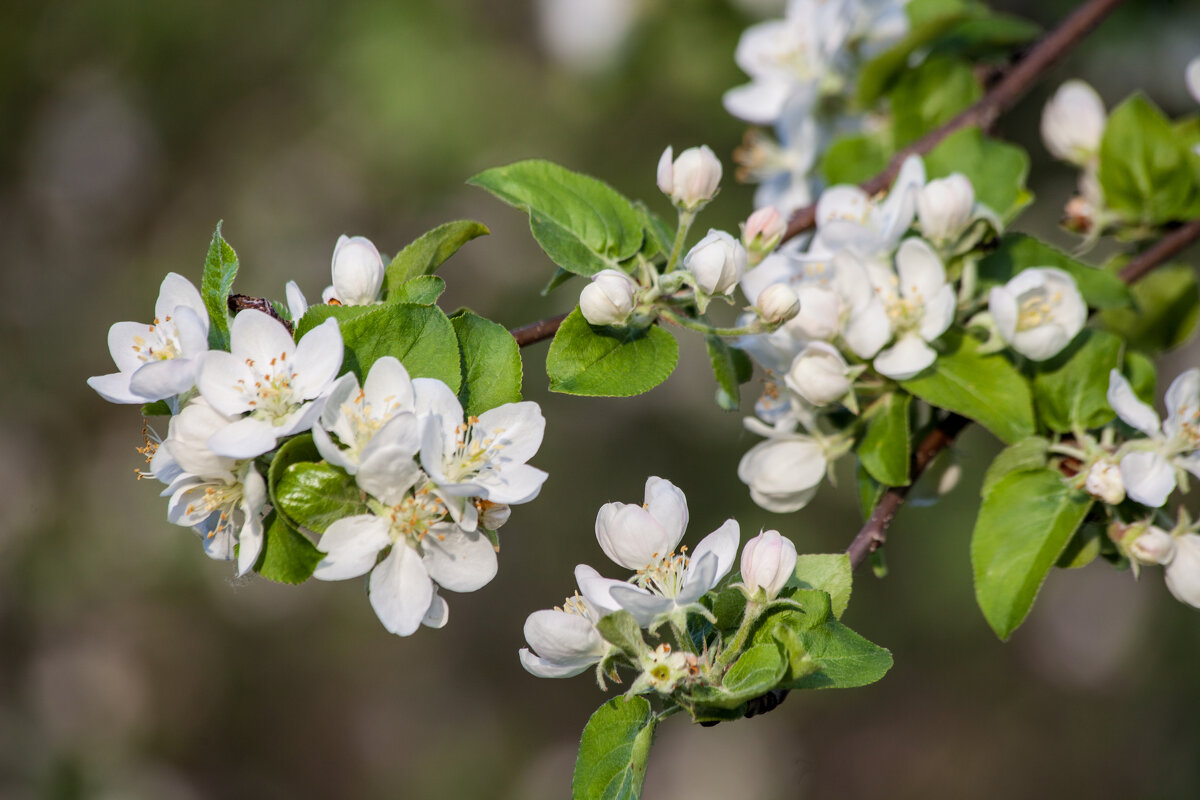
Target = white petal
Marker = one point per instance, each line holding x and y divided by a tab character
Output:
176	291
433	398
388	385
515	430
1149	478
701	576
125	342
921	272
666	503
160	379
563	638
1183	573
1003	306
1192	77
351	546
458	561
115	388
250	542
1129	408
259	337
192	329
438	614
939	313
317	359
908	357
630	536
1183	401
296	302
641	604
246	438
759	103
548	669
868	330
220	376
723	542
516	484
401	591
597	589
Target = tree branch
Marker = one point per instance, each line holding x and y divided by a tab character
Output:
1017	79
537	331
873	533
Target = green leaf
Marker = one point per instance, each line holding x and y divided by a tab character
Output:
930	95
583	224
659	235
315	315
1071	389
1018	252
158	408
559	277
757	671
1165	309
421	337
857	157
220	268
423	290
996	169
608	362
884	451
1024	524
1083	547
1144	168
878	74
828	572
317	495
426	254
985	388
1030	453
1142	376
293	451
620	629
869	491
725	371
491	363
612	753
288	556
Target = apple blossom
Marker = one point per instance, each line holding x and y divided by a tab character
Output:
777	304
847	218
717	262
1073	123
345	433
762	232
563	641
357	272
1104	482
945	207
1148	467
270	379
768	561
820	374
1183	570
159	360
609	299
690	180
783	472
1039	312
1152	546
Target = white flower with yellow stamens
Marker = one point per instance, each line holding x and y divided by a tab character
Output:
1038	312
563	641
1150	468
346	433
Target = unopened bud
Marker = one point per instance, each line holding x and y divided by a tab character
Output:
609	299
357	271
768	561
690	180
1104	482
819	374
762	232
1154	546
1073	123
718	262
492	516
777	303
945	206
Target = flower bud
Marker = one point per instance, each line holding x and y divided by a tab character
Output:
768	560
778	303
1153	546
819	374
609	299
492	516
1104	482
690	180
1073	123
1183	573
762	232
357	271
718	262
945	207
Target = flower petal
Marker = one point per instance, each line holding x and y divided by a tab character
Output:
909	356
246	438
644	607
723	542
1149	478
400	590
157	380
457	560
630	536
1129	408
667	504
515	430
922	274
351	546
317	359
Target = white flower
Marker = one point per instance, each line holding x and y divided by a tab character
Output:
1183	571
690	180
777	303
1149	467
783	472
357	272
401	586
768	561
1104	482
917	307
644	538
270	379
482	458
1153	546
1073	123
1039	312
847	218
663	669
159	360
945	206
609	299
1192	77
563	641
354	416
718	262
819	374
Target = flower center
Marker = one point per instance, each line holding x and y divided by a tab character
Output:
472	456
1036	308
221	498
272	396
664	575
575	604
413	516
365	420
160	344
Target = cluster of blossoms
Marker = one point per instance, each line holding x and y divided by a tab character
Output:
432	486
802	67
668	588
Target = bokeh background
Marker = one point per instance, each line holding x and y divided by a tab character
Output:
133	667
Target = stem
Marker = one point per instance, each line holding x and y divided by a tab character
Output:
700	327
537	331
685	224
681	637
734	647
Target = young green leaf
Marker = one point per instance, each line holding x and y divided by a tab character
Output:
220	268
427	253
1142	376
583	224
930	95
1144	168
869	491
607	362
830	573
757	671
491	363
422	290
996	169
611	764
725	371
421	337
885	450
1071	389
1024	524
856	157
288	556
317	495
1018	252
1030	453
985	388
293	451
1166	305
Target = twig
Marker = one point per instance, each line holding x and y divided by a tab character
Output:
1017	80
537	331
874	532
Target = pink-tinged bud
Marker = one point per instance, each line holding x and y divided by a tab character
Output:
777	304
1154	546
718	262
690	180
762	232
768	561
609	299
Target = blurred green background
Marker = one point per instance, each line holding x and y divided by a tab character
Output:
133	667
